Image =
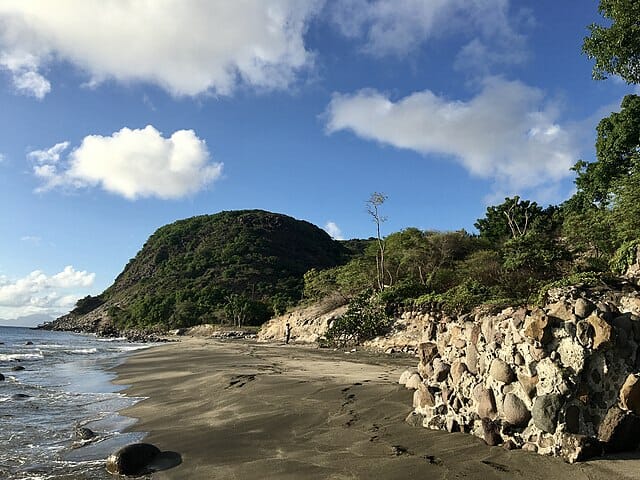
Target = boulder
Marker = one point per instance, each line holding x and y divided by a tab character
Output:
1	377
406	375
423	397
491	432
132	459
515	411
440	370
501	372
630	394
536	326
528	384
458	369
29	343
17	368
84	433
545	412
427	351
414	382
583	308
415	419
602	331
578	448
486	402
619	431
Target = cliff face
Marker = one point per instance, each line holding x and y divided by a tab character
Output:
559	380
189	272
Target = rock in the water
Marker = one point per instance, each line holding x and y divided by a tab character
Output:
84	433
545	412
29	343
17	368
619	431
515	411
1	377
20	396
501	372
133	459
630	394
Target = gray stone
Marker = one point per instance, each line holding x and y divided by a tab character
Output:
84	433
501	372
515	411
630	394
423	397
458	369
427	351
133	459
545	412
528	384
472	359
578	448
585	333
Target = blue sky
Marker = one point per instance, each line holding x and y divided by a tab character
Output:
119	117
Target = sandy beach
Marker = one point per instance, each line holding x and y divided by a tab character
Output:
241	410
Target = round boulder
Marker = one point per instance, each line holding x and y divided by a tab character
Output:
84	433
501	371
133	459
545	412
515	411
414	381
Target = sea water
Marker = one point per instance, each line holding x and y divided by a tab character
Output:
65	384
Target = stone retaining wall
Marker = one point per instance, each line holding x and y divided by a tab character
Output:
560	380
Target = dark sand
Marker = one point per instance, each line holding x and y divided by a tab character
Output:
254	411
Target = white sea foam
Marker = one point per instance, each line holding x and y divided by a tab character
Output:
8	357
83	351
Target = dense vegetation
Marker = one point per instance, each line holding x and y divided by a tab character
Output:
236	267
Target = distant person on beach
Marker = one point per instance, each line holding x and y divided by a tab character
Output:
287	333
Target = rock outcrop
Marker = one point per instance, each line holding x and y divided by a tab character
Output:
559	380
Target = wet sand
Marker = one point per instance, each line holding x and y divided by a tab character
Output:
239	410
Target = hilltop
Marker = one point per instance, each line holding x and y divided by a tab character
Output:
238	267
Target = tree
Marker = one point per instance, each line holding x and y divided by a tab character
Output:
616	48
617	148
373	208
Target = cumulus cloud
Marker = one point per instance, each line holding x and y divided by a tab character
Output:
187	47
506	133
41	293
395	27
333	230
132	163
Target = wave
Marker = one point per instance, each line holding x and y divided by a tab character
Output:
9	357
83	351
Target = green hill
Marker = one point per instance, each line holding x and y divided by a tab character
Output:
236	267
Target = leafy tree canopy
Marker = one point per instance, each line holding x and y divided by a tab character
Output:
616	48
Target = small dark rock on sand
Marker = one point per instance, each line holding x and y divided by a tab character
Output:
133	459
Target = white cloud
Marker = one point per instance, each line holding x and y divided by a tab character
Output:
187	47
333	230
23	69
40	293
32	239
506	133
131	163
396	27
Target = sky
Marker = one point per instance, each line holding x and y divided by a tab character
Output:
119	117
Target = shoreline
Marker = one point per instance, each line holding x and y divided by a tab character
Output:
251	410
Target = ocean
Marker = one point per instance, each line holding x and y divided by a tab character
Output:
65	385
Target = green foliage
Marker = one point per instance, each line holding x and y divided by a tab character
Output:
187	271
87	304
459	299
625	256
587	279
617	147
616	48
364	319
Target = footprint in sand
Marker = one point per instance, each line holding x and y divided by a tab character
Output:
239	381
